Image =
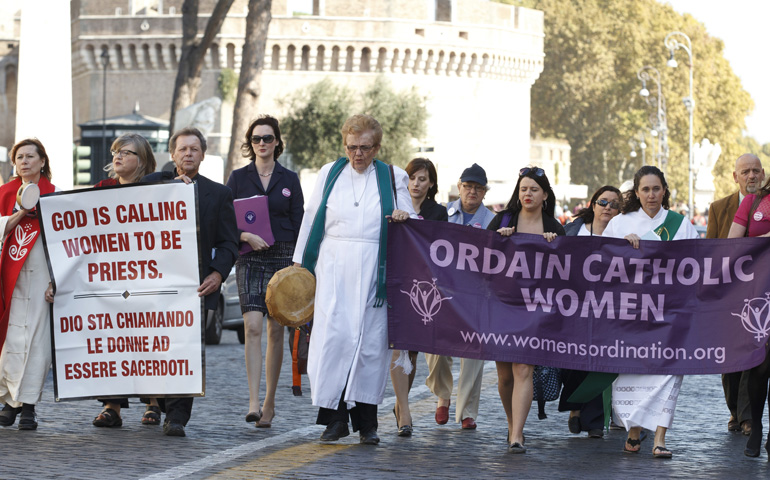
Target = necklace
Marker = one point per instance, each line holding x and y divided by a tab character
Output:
265	174
352	183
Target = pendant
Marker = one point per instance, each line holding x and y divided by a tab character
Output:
355	203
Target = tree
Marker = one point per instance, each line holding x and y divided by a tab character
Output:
315	117
252	62
188	75
588	91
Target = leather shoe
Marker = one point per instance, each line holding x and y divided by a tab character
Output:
442	415
171	429
469	424
335	431
746	427
733	425
574	424
8	415
370	437
596	433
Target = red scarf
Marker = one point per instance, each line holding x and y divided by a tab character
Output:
16	246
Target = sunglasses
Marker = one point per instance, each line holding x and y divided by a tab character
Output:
255	139
536	171
613	205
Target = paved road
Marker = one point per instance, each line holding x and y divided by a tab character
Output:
219	444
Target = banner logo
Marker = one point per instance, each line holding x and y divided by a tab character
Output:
426	299
755	316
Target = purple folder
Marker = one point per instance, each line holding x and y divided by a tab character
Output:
253	217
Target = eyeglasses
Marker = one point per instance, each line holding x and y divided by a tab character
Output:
475	188
363	148
613	205
536	171
255	139
122	153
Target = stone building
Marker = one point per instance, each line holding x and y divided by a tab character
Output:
474	60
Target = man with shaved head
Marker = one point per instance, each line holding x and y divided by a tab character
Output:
749	175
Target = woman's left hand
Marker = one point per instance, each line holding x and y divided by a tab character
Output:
399	216
49	293
549	236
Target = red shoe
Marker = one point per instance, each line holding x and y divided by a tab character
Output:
442	415
469	424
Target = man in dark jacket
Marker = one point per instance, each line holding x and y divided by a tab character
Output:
218	243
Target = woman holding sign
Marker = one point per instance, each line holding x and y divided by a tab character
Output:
530	210
132	159
647	401
259	260
25	334
753	220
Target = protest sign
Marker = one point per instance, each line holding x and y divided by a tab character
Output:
126	317
584	303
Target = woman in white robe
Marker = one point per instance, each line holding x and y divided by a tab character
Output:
646	401
348	347
25	355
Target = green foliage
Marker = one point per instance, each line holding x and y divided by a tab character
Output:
315	115
588	92
228	84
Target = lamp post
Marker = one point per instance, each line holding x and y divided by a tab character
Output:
105	63
658	120
674	42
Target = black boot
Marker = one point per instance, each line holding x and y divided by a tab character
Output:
28	419
8	415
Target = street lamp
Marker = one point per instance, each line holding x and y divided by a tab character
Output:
674	42
105	63
658	120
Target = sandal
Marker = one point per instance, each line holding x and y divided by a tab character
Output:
633	442
108	418
151	416
662	452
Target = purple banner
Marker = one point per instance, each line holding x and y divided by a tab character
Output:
585	303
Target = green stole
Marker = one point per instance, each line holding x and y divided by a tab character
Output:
599	382
313	246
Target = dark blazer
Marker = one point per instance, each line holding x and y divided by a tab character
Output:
430	210
721	215
284	198
572	228
218	237
550	224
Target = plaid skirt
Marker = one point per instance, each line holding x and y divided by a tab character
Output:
255	269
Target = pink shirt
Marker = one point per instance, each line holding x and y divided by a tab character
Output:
760	219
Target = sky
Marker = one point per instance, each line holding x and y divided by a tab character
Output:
739	24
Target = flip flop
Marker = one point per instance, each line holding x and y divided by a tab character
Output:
662	452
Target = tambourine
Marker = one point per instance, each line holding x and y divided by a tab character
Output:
28	195
290	296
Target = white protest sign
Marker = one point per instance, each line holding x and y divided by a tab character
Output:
126	317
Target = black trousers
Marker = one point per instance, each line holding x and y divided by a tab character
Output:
177	410
736	386
363	416
591	412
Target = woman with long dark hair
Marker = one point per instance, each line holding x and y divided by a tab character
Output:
647	401
589	416
265	176
530	210
753	220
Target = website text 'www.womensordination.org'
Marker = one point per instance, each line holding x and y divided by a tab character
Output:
619	349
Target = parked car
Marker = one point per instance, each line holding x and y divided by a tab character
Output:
227	316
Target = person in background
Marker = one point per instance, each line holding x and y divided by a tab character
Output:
422	188
469	211
749	175
265	176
